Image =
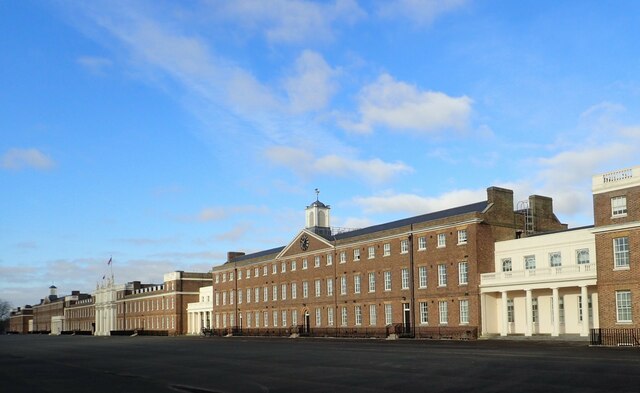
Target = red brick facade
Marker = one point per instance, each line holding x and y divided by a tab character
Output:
399	258
618	282
161	307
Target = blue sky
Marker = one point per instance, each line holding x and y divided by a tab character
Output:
165	133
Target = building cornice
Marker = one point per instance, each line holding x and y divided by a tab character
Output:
616	227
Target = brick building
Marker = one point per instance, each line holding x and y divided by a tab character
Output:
414	274
160	307
616	206
49	308
20	320
79	312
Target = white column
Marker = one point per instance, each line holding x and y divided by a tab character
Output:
556	313
505	319
483	314
529	304
584	295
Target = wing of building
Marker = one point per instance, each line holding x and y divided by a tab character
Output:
414	276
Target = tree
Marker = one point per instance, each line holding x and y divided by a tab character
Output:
5	312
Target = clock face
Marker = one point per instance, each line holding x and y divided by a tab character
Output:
304	242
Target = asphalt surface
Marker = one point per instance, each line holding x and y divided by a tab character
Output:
235	364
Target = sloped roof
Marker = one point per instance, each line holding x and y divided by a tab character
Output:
477	207
258	254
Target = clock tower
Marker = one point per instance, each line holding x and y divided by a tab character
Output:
317	217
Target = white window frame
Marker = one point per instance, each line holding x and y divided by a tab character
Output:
386	249
372	282
316	261
371	252
293	266
373	315
294	290
624	307
404	246
343	257
442	240
305	289
343	284
422	276
462	236
583	257
442	275
619	206
424	313
507	264
464	312
388	314
305	263
358	315
387	280
283	291
330	316
283	267
621	252
329	259
330	286
404	278
530	262
356	254
318	289
343	316
318	317
422	243
357	281
555	259
463	273
443	311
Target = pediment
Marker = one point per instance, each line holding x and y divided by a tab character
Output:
303	244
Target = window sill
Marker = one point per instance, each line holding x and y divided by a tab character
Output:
422	287
463	284
622	268
624	323
422	249
442	286
441	246
462	244
619	216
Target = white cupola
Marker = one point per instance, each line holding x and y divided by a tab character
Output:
317	217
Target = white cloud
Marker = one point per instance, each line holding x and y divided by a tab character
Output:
236	233
421	12
290	21
26	158
304	162
95	65
312	85
399	105
219	213
414	204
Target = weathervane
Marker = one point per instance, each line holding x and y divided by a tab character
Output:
317	193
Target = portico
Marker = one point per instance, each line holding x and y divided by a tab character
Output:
559	298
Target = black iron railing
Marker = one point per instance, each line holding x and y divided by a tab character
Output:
615	337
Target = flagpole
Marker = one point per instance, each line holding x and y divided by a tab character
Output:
110	263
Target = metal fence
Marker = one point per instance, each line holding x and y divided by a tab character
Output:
140	332
436	333
615	337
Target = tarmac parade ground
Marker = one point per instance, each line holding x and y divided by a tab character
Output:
237	364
